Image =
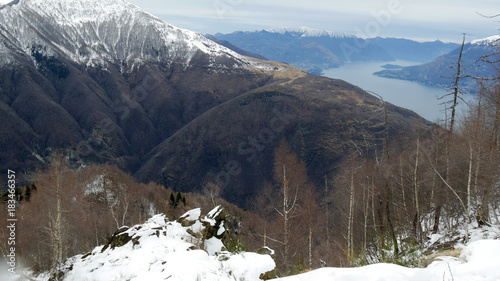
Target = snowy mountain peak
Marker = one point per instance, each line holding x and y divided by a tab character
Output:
94	32
487	41
309	32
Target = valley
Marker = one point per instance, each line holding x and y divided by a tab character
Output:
145	151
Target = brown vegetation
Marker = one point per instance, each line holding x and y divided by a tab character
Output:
453	176
73	211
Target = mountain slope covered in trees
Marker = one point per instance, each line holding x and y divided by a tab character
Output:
321	118
107	80
131	90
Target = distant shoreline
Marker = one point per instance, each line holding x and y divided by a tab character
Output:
391	66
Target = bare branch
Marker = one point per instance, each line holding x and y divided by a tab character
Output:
490	17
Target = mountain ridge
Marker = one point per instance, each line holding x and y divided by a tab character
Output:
318	50
411	50
307	32
83	31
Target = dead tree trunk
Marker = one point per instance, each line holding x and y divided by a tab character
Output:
455	93
56	223
327	221
350	222
456	90
289	205
416	221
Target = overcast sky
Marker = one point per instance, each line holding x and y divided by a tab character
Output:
418	19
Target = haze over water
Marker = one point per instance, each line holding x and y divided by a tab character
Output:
414	96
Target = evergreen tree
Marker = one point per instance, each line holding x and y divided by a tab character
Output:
173	203
28	190
178	198
19	195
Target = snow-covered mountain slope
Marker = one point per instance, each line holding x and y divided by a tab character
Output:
93	32
161	249
487	40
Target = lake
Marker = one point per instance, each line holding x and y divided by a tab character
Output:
414	96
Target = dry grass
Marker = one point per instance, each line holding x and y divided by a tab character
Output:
283	71
427	260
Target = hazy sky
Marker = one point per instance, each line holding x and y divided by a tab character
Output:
418	19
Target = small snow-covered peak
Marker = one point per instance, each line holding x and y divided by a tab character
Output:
487	41
160	249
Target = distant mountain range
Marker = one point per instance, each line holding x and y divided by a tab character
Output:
410	50
235	48
440	71
315	50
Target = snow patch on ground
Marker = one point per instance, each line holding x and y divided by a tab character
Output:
457	235
213	246
479	260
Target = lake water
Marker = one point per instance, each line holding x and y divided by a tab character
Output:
414	96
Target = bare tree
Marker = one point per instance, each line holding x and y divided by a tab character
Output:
212	189
290	172
55	194
311	211
416	222
263	207
455	93
455	88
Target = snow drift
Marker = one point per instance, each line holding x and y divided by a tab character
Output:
479	260
190	248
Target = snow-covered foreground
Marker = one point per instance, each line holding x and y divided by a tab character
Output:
479	260
167	250
191	249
